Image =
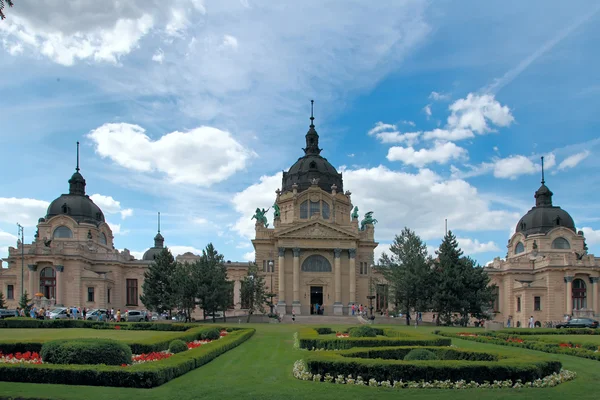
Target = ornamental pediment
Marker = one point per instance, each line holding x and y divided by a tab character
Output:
315	230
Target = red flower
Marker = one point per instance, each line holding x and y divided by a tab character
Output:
223	333
117	327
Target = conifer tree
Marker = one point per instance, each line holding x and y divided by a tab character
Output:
185	280
449	294
24	302
2	300
254	291
213	287
158	287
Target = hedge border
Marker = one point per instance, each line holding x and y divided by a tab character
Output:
147	375
30	323
500	339
309	339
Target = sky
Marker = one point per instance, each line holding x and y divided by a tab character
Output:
432	110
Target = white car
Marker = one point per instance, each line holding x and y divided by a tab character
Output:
58	313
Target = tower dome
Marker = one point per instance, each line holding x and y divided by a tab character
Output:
76	204
544	216
159	245
312	166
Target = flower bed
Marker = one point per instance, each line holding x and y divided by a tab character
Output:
21	358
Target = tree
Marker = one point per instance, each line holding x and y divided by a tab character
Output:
185	280
24	302
213	287
254	291
406	271
481	293
2	5
2	300
158	287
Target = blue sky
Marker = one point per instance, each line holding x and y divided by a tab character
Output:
431	109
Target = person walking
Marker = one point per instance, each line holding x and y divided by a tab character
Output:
294	315
531	322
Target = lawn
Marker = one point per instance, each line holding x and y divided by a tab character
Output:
43	335
261	368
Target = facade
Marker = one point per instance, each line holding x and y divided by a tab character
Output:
547	273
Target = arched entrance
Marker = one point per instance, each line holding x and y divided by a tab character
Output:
579	295
48	282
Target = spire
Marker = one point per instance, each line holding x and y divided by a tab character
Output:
159	240
159	222
312	137
77	182
543	196
543	181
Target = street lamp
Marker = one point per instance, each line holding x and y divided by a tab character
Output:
22	256
271	287
370	296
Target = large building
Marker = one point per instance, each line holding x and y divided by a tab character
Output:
316	253
547	273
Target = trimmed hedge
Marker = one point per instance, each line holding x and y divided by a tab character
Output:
362	331
555	331
30	323
420	354
86	351
177	346
145	375
442	353
309	339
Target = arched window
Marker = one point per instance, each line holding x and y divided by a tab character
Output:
519	248
561	243
325	210
312	165
315	207
579	294
62	232
48	282
304	209
102	238
316	263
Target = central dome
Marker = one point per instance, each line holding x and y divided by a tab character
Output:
312	166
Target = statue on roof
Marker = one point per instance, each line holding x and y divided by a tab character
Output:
355	213
367	220
276	211
260	217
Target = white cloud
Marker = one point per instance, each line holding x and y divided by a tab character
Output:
116	229
411	123
260	195
507	168
380	127
474	112
441	153
230	41
427	110
470	246
249	256
202	156
388	133
592	237
380	249
6	240
200	221
158	56
439	96
22	210
351	155
514	166
573	160
450	135
109	205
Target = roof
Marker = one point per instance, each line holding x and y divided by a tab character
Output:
544	216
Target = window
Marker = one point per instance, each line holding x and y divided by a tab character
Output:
132	292
537	303
316	263
102	238
62	232
325	211
10	292
364	268
108	296
268	266
518	304
48	282
304	210
579	294
519	248
90	294
315	207
561	243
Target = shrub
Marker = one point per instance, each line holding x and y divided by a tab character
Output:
177	346
362	331
86	351
420	355
211	334
324	331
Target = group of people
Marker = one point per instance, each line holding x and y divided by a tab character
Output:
72	313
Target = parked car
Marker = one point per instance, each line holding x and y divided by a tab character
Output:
136	316
8	313
579	323
58	313
93	315
216	314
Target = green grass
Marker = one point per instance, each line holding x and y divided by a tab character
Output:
261	368
43	335
591	339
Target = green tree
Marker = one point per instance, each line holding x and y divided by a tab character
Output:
449	294
24	302
254	291
158	287
2	300
185	280
213	287
481	293
407	270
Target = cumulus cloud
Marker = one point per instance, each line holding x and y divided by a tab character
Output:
510	167
158	56
441	153
388	133
475	111
6	240
259	195
108	205
450	135
473	246
249	256
22	210
573	160
592	236
436	96
202	156
427	110
514	166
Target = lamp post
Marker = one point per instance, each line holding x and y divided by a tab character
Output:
370	296
271	286
22	257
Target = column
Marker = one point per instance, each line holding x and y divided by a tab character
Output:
352	259
281	274
338	308
594	304
60	296
296	286
569	281
32	268
237	291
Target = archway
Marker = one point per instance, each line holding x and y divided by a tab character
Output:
48	282
579	294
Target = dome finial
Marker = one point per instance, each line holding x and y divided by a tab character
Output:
159	222
543	181
77	167
312	118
